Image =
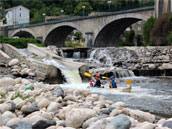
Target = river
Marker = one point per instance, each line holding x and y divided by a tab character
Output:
152	94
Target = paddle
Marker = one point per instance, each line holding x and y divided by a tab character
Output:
87	74
128	82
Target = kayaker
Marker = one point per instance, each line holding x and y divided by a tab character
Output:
113	83
97	82
92	82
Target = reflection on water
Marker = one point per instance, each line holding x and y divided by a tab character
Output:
149	94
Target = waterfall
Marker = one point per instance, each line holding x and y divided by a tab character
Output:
101	56
124	73
71	75
76	55
61	52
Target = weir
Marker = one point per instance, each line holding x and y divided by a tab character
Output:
42	52
71	75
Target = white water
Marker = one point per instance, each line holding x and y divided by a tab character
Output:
71	75
102	58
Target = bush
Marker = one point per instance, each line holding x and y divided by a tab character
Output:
130	36
74	45
170	38
161	30
19	42
139	39
147	28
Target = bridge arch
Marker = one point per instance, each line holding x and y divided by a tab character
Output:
58	33
107	35
23	32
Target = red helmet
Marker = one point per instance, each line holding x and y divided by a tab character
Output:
97	75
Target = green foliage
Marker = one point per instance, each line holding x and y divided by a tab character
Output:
170	38
139	40
19	42
129	36
161	30
4	95
147	28
2	10
70	7
78	35
74	44
18	95
79	10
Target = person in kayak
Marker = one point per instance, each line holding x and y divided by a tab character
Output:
113	83
92	82
97	81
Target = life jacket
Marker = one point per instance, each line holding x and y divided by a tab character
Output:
113	85
91	84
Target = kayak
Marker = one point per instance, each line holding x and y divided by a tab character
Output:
124	89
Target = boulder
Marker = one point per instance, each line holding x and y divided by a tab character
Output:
18	102
47	115
115	112
1	120
53	106
7	81
18	80
42	124
20	125
87	123
5	107
29	110
119	105
8	114
35	118
43	103
5	127
77	116
70	98
59	92
167	124
13	62
119	122
152	66
142	116
166	66
147	125
13	120
100	124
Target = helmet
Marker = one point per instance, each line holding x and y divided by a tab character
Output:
112	77
97	75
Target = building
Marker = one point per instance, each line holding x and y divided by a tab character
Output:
163	6
17	15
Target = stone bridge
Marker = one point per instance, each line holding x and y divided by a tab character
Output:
100	31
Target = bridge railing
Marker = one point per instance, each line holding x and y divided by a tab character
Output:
148	4
66	18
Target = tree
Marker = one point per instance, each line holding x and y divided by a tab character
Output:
161	30
37	16
79	10
130	37
170	38
147	28
78	35
2	10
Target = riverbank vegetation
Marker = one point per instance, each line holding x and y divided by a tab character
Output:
71	7
19	42
158	32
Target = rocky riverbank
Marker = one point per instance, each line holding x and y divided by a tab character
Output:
26	104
